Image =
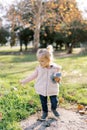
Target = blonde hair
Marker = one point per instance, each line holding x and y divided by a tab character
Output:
46	53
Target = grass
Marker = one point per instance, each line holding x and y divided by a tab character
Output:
74	84
18	102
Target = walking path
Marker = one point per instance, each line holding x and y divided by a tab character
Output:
69	120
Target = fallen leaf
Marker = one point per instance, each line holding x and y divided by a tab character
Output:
80	107
61	100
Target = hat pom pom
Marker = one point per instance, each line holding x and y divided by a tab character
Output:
50	48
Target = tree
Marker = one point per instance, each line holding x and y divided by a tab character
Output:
4	34
25	36
59	20
31	13
36	14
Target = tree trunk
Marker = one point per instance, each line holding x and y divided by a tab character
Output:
37	24
69	48
36	38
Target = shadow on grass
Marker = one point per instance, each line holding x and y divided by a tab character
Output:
72	56
16	52
17	56
24	58
13	73
30	55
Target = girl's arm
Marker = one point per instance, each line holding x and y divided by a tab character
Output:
30	77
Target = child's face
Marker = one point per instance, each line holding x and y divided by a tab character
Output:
45	63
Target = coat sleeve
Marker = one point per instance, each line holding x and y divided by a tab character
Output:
30	77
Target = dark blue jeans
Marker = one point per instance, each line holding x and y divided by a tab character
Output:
53	100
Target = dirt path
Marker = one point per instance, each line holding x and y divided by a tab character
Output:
69	120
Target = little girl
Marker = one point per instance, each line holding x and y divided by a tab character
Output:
44	85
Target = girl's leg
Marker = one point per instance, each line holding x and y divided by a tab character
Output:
43	100
54	102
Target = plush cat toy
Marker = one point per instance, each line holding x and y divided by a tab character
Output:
56	77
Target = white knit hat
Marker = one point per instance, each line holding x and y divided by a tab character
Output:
45	52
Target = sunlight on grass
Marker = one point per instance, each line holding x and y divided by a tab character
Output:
74	78
17	102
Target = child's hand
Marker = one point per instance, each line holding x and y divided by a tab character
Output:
57	79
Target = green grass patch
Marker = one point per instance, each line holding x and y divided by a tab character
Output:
18	102
74	78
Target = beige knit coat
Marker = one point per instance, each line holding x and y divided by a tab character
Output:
44	84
